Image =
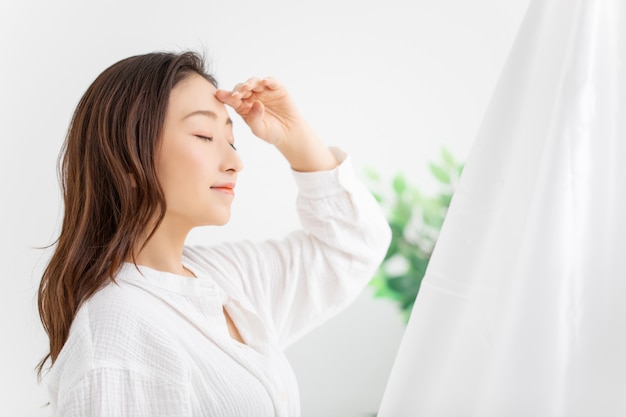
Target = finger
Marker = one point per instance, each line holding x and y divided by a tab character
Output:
255	119
228	97
253	82
256	84
238	90
243	90
272	83
248	88
252	85
252	113
238	87
235	102
256	111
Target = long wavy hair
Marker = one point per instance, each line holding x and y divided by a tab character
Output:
112	197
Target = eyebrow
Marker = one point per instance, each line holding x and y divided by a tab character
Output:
207	113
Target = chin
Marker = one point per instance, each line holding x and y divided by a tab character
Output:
219	221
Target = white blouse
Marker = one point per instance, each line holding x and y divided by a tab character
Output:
157	344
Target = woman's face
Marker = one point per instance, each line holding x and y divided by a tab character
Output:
197	164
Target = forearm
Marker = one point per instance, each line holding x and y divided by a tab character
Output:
305	152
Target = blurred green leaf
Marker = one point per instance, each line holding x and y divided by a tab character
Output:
448	158
445	199
382	290
401	214
419	264
399	184
403	284
440	173
415	220
371	174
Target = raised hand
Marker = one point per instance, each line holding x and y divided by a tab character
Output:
267	108
265	105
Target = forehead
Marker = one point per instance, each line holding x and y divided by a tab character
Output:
192	94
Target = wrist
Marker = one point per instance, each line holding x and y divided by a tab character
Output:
305	152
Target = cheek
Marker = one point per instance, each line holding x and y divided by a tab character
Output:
181	172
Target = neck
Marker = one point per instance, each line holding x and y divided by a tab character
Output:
164	250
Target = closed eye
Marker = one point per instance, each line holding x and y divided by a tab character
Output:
210	139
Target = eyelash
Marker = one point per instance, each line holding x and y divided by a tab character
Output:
210	139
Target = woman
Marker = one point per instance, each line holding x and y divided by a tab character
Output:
142	325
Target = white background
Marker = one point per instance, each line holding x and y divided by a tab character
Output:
389	82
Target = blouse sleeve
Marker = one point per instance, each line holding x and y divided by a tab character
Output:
313	273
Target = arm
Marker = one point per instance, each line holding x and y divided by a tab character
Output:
298	282
314	273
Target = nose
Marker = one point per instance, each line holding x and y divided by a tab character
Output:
231	160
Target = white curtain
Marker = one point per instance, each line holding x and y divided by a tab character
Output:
523	308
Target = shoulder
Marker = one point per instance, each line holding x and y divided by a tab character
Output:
128	327
230	264
118	328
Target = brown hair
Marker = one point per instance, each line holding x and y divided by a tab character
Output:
110	188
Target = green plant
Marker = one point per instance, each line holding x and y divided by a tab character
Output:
415	219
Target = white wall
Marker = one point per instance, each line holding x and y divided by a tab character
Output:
390	82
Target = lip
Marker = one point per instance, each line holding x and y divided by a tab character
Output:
227	188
